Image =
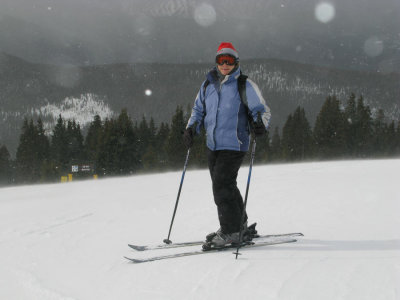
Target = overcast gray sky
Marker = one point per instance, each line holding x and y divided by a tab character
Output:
358	32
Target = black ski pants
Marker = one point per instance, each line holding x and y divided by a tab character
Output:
224	166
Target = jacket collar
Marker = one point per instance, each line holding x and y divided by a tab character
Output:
213	76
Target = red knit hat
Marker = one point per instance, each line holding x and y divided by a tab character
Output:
227	48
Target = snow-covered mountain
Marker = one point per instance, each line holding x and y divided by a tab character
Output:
67	241
286	85
155	90
82	110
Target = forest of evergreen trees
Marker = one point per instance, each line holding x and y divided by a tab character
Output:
120	146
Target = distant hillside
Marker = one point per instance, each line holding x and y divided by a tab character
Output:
154	90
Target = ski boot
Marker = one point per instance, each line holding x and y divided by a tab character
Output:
249	233
221	240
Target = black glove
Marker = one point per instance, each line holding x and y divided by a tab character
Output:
259	129
188	137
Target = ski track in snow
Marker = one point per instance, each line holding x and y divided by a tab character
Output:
67	241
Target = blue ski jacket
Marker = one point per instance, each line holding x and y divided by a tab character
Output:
222	113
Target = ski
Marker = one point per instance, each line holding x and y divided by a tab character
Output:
196	243
198	252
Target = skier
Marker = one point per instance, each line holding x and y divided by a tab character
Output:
227	119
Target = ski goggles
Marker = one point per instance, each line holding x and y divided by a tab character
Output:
225	59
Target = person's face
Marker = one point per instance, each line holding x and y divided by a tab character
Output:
225	63
225	69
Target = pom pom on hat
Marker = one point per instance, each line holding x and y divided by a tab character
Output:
227	48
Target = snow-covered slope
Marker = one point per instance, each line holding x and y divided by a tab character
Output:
67	241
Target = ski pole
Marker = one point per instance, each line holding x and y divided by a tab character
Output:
167	240
253	151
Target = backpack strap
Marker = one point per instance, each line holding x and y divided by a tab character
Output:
241	81
206	83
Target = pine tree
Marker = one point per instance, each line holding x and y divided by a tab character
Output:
263	148
379	134
391	142
25	156
43	151
149	159
107	148
303	134
142	139
297	137
276	147
42	143
174	147
397	149
152	133
75	143
126	156
287	135
5	166
160	145
330	130
59	147
117	148
32	152
93	141
351	124
149	156
363	137
198	152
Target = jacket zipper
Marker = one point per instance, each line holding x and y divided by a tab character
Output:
216	115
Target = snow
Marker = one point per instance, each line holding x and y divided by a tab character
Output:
82	110
67	241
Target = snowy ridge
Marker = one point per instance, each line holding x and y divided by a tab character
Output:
82	110
283	82
394	113
307	88
6	115
279	81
